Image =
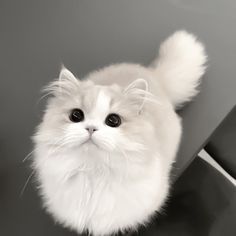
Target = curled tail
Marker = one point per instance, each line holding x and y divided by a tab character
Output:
180	65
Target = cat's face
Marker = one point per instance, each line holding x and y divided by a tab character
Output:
85	116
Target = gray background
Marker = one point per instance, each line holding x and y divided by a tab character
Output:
37	36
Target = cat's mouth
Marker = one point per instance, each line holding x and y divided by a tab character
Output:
89	141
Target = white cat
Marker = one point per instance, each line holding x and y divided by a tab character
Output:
105	147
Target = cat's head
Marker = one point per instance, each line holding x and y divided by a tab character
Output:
84	116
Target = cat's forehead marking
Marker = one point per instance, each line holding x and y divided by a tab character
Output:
102	103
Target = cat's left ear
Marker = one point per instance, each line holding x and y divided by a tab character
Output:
137	91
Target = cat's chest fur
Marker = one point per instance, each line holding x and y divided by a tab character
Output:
102	194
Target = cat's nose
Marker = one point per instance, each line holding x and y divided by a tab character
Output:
91	129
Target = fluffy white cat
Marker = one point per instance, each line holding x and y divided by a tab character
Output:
106	144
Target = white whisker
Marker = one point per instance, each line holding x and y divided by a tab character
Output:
26	183
44	96
29	155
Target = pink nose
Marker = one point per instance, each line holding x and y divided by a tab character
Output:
91	129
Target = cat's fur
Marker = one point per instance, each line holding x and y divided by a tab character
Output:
122	179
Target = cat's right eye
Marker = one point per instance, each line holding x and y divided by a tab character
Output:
76	115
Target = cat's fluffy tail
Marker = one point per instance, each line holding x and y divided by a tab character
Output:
180	65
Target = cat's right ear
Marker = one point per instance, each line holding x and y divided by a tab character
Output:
64	85
67	81
66	75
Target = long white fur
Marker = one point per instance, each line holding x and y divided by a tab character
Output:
121	178
180	64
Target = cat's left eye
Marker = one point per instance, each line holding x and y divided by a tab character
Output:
113	120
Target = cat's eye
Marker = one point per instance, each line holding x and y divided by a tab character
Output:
113	120
76	115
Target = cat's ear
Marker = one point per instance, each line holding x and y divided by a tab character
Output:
67	82
137	92
64	85
66	75
140	84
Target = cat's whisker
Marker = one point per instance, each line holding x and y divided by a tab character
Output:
56	145
59	141
55	142
43	96
65	141
62	143
26	183
55	149
74	137
28	155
